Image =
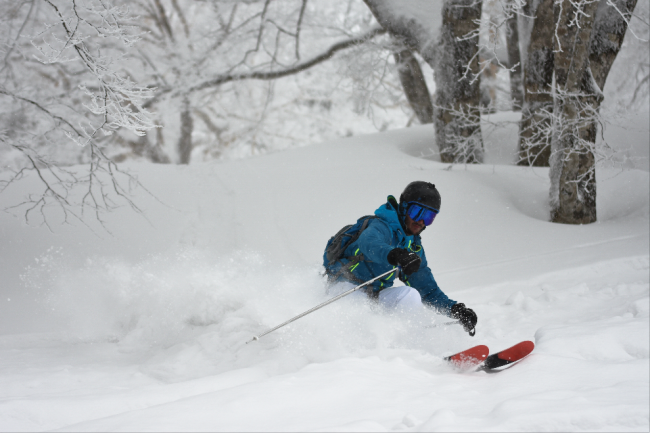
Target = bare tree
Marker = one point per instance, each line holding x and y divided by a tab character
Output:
580	78
457	120
76	48
107	63
185	140
452	52
414	85
514	56
250	42
536	121
612	21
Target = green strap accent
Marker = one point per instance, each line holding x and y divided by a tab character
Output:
355	266
414	248
391	275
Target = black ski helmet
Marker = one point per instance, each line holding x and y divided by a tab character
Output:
421	192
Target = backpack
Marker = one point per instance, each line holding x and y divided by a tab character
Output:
339	242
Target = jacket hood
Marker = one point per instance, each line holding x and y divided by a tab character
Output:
389	213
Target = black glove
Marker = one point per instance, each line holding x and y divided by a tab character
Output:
466	317
408	261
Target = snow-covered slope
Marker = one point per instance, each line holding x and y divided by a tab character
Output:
145	329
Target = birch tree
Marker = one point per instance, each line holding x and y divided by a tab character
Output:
586	44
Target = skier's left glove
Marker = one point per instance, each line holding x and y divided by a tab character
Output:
466	317
407	260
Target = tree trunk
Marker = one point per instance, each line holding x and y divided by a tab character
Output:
410	38
514	62
155	152
185	140
526	21
607	37
573	174
605	43
415	87
535	127
457	116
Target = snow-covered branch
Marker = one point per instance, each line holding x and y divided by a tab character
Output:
272	75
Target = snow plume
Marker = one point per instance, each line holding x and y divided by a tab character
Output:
189	314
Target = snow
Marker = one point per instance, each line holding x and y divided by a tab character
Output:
145	329
427	13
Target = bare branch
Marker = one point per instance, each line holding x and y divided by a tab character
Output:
292	70
298	27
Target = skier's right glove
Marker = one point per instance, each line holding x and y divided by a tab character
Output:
466	317
407	260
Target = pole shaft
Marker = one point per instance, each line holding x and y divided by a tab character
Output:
317	307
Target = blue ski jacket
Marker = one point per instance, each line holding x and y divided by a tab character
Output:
366	258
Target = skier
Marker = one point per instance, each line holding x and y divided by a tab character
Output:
392	239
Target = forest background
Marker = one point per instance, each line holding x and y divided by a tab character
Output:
179	81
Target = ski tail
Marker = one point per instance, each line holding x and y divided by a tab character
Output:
500	360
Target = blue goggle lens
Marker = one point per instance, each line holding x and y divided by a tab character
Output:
420	213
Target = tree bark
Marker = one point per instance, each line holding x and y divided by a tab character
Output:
514	61
573	174
607	37
185	140
605	43
457	115
414	85
535	127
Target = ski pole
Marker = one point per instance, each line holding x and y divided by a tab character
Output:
471	332
317	307
438	325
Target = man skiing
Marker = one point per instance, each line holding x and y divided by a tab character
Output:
392	239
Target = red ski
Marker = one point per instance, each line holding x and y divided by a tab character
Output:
501	360
470	357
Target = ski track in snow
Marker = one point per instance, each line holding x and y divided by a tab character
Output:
146	330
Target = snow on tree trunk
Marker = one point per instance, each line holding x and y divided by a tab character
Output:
535	126
457	117
573	174
414	23
514	61
415	87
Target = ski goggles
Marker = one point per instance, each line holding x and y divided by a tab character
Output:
417	212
